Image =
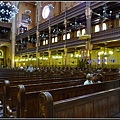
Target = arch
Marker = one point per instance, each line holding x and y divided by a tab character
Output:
68	36
83	31
104	27
97	28
78	33
1	54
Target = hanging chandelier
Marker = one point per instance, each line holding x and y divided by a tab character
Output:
7	11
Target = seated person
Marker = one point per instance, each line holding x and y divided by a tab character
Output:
30	68
89	79
21	67
97	78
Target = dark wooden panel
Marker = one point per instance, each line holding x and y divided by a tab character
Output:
100	108
94	105
113	103
7	25
79	111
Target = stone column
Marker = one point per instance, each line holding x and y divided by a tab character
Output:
38	10
88	13
49	56
65	48
49	50
49	27
13	36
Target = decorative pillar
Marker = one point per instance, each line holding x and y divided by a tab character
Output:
49	52
38	10
88	13
65	56
14	26
37	44
65	49
28	41
49	27
49	55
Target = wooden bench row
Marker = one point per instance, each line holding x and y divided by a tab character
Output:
10	92
38	81
104	104
25	101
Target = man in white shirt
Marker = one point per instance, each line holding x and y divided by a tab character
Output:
30	68
89	80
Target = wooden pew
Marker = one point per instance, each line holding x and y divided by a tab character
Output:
103	104
30	99
30	80
11	91
27	81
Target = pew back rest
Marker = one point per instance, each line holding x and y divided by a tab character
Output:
31	98
102	104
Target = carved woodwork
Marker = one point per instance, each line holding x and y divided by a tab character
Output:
45	105
7	111
103	104
21	102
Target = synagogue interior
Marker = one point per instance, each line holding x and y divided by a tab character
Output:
60	59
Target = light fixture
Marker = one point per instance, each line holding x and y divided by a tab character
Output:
57	31
44	36
105	14
75	24
7	11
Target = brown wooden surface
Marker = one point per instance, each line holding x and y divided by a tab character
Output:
31	98
97	105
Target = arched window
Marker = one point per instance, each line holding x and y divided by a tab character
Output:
83	31
52	40
56	39
68	36
64	37
46	42
97	28
104	27
78	33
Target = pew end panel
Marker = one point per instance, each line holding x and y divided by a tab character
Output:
6	98
45	105
20	112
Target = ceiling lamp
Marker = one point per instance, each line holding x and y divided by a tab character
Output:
57	31
7	11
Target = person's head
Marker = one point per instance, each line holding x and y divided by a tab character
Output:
89	76
30	65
